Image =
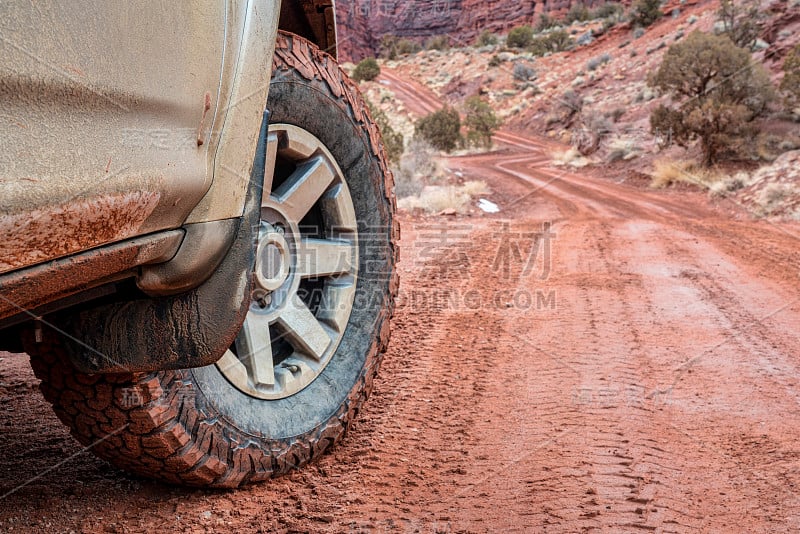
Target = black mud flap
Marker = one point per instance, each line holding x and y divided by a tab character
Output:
193	329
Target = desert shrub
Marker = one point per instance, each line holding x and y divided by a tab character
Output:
367	70
442	129
520	37
593	129
577	13
772	197
790	86
418	160
388	47
596	62
406	184
646	12
729	184
407	47
609	10
570	105
616	114
741	21
545	23
392	140
768	146
607	25
620	149
538	47
486	38
554	41
717	91
559	41
392	46
480	121
523	73
570	157
667	172
495	61
439	42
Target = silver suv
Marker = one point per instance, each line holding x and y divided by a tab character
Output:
198	234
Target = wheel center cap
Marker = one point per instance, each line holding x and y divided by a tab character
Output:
273	260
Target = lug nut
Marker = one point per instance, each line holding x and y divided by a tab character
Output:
292	368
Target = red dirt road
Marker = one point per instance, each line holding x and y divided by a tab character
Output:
593	357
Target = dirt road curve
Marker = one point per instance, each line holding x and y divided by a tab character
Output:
593	357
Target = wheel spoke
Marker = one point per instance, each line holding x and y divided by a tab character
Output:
255	350
303	330
337	304
305	187
338	201
317	258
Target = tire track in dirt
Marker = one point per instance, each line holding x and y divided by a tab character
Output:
611	442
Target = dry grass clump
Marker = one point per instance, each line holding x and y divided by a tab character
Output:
667	172
570	157
416	169
730	184
773	198
621	149
444	198
476	188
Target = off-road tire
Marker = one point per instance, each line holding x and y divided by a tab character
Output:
168	425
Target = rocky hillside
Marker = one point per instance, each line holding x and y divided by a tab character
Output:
595	97
362	23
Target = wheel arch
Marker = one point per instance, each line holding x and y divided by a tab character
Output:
314	20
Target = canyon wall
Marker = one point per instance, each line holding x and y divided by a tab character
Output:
362	23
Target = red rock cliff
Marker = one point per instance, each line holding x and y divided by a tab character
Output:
362	23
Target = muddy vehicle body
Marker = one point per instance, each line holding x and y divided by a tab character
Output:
198	234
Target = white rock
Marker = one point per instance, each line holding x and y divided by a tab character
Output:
488	206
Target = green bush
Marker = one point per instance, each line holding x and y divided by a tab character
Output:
393	141
367	70
717	91
481	122
442	129
520	37
646	12
790	85
554	41
486	38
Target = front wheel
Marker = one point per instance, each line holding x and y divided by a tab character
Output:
324	284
